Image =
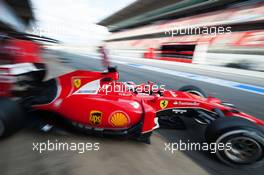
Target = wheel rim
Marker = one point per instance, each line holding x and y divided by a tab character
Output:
243	150
2	128
195	93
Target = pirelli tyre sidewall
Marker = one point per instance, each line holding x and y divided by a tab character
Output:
11	117
246	138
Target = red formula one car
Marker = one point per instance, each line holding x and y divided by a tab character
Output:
95	102
21	65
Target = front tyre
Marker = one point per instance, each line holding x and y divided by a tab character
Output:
11	117
193	90
198	92
243	140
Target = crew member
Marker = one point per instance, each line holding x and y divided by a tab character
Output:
104	55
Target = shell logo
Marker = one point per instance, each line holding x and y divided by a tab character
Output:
119	119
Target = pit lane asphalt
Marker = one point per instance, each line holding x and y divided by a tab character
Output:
124	156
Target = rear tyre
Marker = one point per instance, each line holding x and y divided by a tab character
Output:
11	117
193	90
243	140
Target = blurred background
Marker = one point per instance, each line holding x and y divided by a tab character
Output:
171	42
144	29
140	28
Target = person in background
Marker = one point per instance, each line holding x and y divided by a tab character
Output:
104	55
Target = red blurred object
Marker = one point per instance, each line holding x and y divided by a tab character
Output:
20	66
23	51
104	55
5	82
150	53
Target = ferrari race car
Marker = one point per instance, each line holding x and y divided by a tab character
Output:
96	102
21	65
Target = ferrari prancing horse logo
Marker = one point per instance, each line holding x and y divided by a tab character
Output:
77	83
164	104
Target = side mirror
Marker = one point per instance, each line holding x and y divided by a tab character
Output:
112	69
111	74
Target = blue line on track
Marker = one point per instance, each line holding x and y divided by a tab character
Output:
217	81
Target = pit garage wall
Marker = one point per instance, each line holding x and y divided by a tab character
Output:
245	47
222	50
8	17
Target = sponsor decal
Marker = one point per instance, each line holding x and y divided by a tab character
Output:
143	94
186	103
164	104
95	117
179	111
77	83
88	88
119	119
86	92
135	104
125	94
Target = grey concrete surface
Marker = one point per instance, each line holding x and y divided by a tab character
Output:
114	157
